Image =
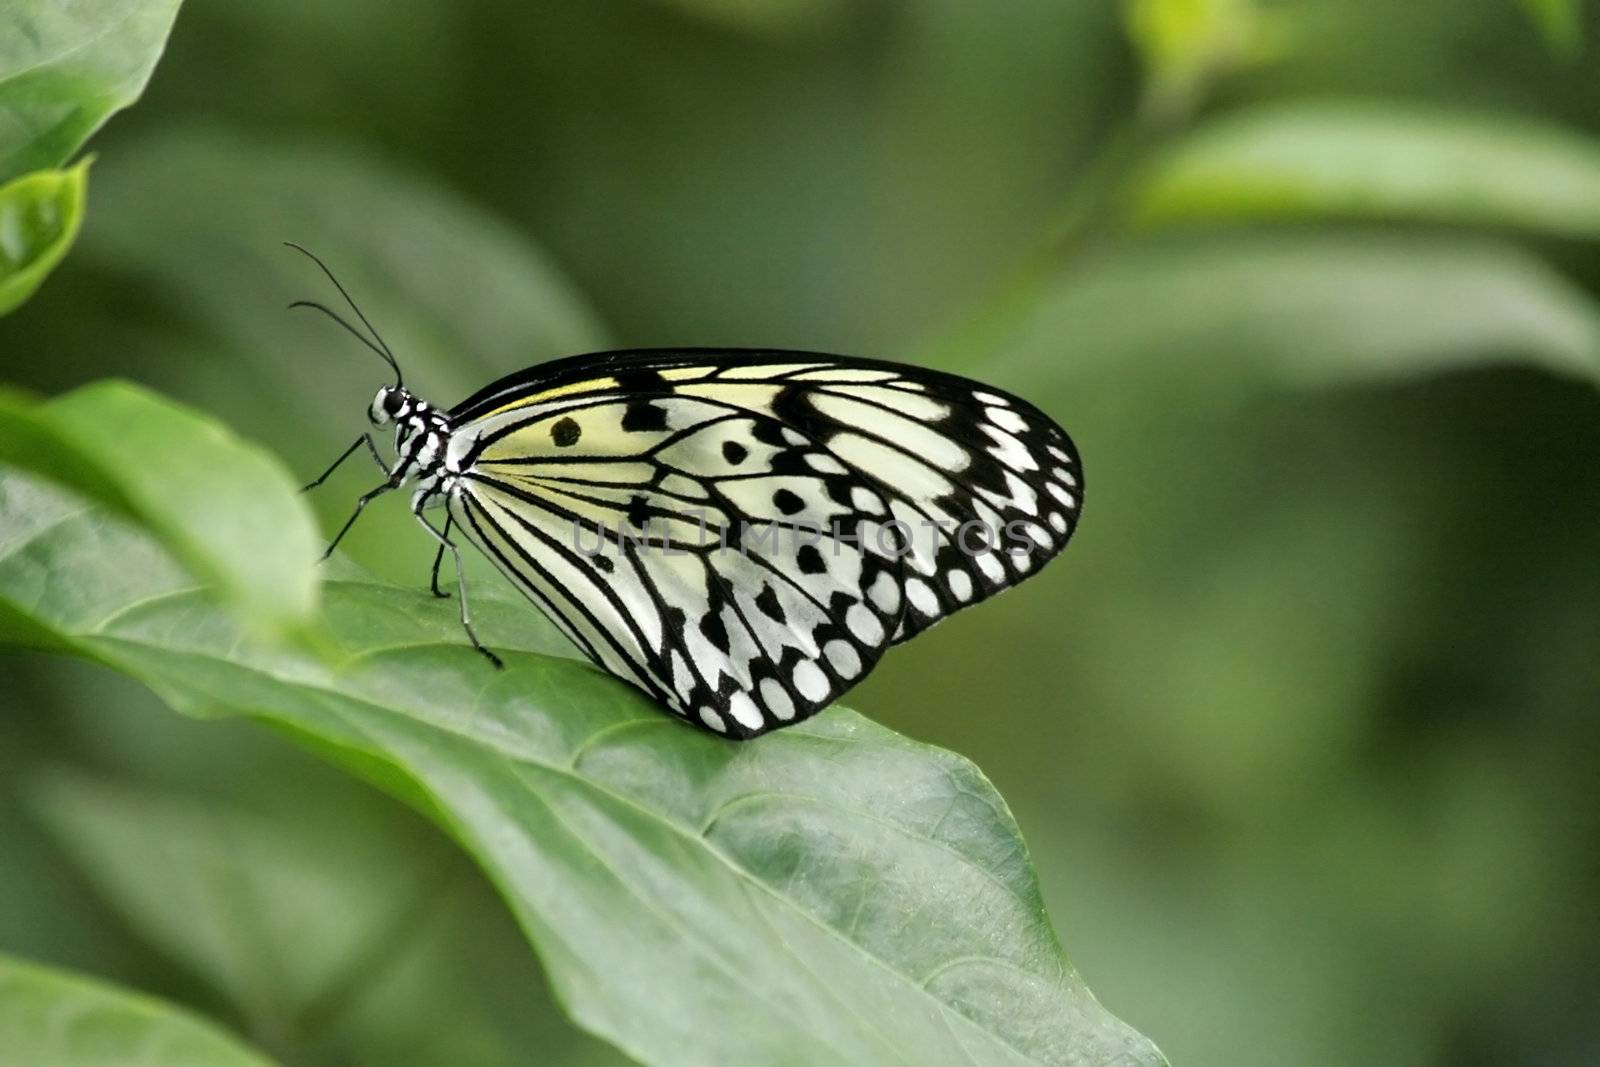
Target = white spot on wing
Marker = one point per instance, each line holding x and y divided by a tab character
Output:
991	567
744	711
810	681
921	596
1010	451
710	717
885	593
777	699
866	501
842	655
960	583
864	624
1007	419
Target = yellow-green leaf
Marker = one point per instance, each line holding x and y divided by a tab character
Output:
51	1018
39	217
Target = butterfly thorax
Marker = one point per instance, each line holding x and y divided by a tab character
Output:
421	439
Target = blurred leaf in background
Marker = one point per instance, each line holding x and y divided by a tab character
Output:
1345	160
1561	22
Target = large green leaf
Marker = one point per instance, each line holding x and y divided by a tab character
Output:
1344	159
227	508
50	1018
340	926
39	217
66	68
835	893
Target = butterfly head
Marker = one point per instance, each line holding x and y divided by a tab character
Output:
392	402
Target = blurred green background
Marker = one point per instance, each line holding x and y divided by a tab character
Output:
1301	730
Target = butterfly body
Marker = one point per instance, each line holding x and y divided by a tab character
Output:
740	533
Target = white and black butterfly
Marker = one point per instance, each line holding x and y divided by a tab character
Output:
741	533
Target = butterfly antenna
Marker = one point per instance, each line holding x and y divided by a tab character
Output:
382	346
357	334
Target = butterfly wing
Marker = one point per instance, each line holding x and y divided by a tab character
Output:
689	548
769	448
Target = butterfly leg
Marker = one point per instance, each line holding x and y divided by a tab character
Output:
461	584
372	449
366	498
438	558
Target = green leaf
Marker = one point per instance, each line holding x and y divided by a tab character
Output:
1560	21
66	68
1218	321
1347	160
51	1018
279	915
777	18
39	217
227	508
834	893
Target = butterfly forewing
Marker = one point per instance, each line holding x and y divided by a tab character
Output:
741	534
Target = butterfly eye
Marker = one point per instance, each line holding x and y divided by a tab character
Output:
384	406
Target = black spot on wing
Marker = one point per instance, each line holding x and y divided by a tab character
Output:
788	502
715	631
642	416
565	432
640	380
639	511
767	601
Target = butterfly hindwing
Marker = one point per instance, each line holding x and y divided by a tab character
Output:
688	546
704	447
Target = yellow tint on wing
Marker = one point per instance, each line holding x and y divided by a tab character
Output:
588	385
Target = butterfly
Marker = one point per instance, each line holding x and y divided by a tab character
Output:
740	533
